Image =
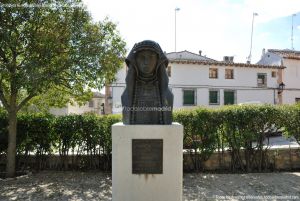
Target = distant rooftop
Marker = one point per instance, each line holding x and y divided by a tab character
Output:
276	56
286	53
98	95
187	56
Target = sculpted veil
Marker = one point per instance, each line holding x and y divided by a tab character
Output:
147	98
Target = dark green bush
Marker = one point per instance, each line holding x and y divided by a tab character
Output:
68	132
85	135
200	133
244	129
291	121
35	135
106	123
241	130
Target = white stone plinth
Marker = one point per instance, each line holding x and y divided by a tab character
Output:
147	187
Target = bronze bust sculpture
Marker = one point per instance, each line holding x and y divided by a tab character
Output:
147	98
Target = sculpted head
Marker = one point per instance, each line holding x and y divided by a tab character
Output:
146	61
147	85
146	58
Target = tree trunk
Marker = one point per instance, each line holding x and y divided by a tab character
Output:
12	138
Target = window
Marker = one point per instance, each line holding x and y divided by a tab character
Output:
297	100
228	73
169	71
91	103
261	79
189	97
229	97
273	73
214	97
213	73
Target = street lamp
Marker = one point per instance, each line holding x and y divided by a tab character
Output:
281	87
292	36
250	55
176	9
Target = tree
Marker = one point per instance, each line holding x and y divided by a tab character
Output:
48	44
56	97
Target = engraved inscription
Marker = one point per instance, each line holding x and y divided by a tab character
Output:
147	156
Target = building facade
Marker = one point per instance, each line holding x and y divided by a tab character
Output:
291	74
196	80
95	105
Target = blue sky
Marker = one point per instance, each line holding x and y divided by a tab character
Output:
277	33
217	27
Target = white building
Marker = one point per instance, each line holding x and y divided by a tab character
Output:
197	80
291	74
95	105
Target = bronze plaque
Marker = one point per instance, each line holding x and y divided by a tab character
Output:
147	156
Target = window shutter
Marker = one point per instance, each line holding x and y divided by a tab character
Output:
229	98
188	97
213	97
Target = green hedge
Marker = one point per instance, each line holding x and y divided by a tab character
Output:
241	130
291	121
43	134
200	133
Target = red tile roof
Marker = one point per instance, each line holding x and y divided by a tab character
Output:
219	63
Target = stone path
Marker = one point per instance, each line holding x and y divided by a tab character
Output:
97	186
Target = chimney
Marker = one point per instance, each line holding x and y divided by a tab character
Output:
263	52
200	52
228	59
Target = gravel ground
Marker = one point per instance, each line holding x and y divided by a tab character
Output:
97	186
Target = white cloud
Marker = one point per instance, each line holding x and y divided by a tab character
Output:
298	27
264	35
270	9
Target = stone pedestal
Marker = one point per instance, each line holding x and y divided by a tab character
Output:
164	186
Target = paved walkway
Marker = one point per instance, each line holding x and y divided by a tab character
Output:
97	186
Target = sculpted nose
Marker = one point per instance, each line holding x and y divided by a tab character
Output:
146	61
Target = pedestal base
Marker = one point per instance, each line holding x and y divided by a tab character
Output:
127	186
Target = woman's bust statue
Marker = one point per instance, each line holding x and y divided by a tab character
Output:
147	98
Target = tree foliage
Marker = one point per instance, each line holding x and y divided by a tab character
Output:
55	47
48	46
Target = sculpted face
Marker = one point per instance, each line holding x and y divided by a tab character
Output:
146	61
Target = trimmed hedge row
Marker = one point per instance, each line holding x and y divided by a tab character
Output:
78	135
241	130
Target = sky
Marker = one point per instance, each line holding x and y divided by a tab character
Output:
216	27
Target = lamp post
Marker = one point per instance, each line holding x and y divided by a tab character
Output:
176	9
292	35
250	54
281	87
